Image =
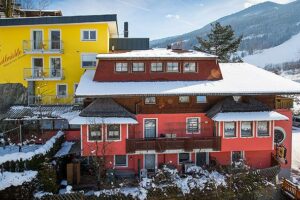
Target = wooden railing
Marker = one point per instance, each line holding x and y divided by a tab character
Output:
283	102
163	144
290	189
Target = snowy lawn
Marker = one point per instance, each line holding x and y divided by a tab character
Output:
8	179
40	150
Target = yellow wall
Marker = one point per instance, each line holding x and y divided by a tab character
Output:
11	41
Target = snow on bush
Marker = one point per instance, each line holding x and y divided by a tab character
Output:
8	179
42	150
169	178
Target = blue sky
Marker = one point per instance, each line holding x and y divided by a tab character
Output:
157	18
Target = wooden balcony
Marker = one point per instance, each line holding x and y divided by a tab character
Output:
283	103
163	144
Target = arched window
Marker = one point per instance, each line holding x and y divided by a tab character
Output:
279	135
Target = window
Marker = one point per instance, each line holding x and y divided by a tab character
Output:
246	129
120	160
113	132
183	157
279	135
95	133
121	67
172	67
88	60
89	35
263	129
157	67
184	99
138	67
61	90
229	129
192	125
236	156
55	67
37	67
150	100
201	99
189	67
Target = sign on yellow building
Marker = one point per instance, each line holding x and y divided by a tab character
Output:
49	54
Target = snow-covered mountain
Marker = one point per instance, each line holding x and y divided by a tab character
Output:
263	26
289	51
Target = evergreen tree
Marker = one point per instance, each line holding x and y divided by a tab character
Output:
221	42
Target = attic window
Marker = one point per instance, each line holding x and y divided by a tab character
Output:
150	100
172	67
189	67
121	67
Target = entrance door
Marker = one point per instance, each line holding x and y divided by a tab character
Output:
150	128
201	159
150	162
55	40
37	37
55	67
37	68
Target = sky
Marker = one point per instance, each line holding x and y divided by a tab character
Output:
157	18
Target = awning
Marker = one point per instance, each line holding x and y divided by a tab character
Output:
249	116
102	120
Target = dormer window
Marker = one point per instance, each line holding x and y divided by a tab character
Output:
121	67
156	67
172	67
138	67
189	67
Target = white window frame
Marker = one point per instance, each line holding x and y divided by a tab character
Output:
172	71
235	128
57	91
201	101
150	102
50	67
154	65
88	133
122	67
89	39
122	165
188	99
189	71
190	157
139	66
60	43
199	125
252	129
156	121
106	131
87	54
32	43
269	129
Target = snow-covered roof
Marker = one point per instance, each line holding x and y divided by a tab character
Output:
102	120
238	79
157	53
249	116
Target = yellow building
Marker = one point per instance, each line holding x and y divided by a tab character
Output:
49	54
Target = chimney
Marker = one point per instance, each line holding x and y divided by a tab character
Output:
125	29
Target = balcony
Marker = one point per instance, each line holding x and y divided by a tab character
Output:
283	102
43	74
163	144
43	47
54	100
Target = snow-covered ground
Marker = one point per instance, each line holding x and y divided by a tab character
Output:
42	149
286	52
8	179
296	155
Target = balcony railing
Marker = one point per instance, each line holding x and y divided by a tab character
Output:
163	144
54	100
44	46
283	103
41	74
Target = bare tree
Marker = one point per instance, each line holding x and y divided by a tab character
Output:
35	4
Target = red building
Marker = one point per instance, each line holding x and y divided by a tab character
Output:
162	106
